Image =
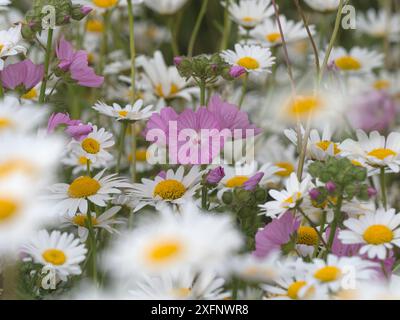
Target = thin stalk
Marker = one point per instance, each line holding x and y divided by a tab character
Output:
1	89
196	29
227	27
202	86
121	144
173	31
244	89
104	42
132	49
204	193
333	40
334	224
134	147
383	187
46	65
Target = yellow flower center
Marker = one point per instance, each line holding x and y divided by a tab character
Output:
5	123
328	274
30	95
348	63
182	292
160	92
81	220
105	3
8	208
1	47
294	288
12	166
91	145
302	106
83	161
292	199
54	256
307	235
288	169
248	19
356	163
248	63
95	26
325	144
236	182
141	155
273	37
378	234
165	251
123	113
382	153
382	84
83	187
169	189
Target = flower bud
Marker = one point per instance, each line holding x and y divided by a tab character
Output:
237	71
215	175
314	194
330	186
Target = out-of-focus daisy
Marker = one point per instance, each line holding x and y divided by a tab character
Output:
102	5
286	199
268	34
165	7
10	44
4	4
75	197
78	160
61	251
172	242
250	13
176	188
104	221
149	34
95	145
356	61
374	150
378	24
323	5
332	273
378	232
253	58
129	113
184	285
166	83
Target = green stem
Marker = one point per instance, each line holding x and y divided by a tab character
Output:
46	65
197	27
332	41
1	90
383	188
104	44
227	27
244	89
173	31
202	86
334	225
134	147
121	144
204	192
132	49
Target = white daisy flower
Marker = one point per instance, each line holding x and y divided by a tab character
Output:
129	113
378	232
165	82
176	189
15	117
374	150
268	33
165	7
356	61
286	199
78	160
184	285
335	272
323	5
250	13
61	251
377	24
253	58
170	242
95	145
105	221
11	43
75	197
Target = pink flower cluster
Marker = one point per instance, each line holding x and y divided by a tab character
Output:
75	128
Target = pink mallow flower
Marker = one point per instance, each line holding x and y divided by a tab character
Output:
75	128
253	182
76	63
276	234
24	73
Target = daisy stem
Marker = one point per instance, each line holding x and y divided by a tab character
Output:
92	242
104	44
132	48
1	90
202	86
121	144
134	147
88	172
333	40
227	27
46	65
197	27
383	188
332	232
244	89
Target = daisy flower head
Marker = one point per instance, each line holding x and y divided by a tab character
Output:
11	43
165	7
250	13
356	61
175	188
254	59
106	221
378	232
378	24
374	150
286	199
78	160
268	33
130	113
173	242
75	197
323	5
335	272
95	145
60	251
